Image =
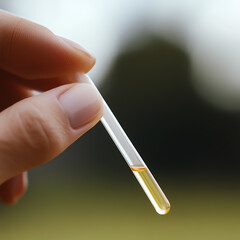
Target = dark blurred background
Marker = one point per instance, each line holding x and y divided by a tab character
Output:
164	81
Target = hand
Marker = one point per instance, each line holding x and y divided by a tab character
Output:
35	129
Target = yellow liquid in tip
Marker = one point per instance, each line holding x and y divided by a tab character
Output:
151	188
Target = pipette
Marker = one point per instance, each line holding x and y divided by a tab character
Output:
133	159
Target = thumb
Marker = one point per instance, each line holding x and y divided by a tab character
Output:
36	129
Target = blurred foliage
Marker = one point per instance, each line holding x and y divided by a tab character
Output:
150	91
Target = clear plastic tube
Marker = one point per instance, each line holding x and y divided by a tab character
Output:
133	159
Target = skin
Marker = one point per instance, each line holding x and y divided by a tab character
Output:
33	58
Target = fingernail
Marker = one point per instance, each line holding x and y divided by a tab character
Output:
82	104
77	47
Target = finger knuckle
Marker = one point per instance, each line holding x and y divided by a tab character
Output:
9	39
41	136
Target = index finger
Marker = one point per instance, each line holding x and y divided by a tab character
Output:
32	51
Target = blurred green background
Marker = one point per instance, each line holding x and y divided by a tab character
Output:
190	144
